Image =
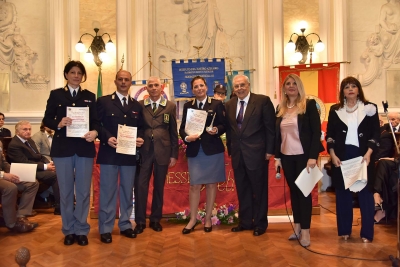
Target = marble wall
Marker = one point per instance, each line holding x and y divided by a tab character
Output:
374	47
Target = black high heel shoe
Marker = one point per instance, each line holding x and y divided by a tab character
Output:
208	229
186	231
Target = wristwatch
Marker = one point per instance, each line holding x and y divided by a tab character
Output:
1	174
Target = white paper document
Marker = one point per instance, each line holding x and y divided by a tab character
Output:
195	121
306	181
126	139
26	172
354	174
80	121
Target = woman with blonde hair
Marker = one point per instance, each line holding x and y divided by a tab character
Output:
298	131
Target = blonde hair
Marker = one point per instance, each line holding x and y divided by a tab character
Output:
301	101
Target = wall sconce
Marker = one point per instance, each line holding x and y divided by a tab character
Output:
302	47
97	49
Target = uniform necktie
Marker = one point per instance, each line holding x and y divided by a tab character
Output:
154	107
124	102
239	118
74	93
201	105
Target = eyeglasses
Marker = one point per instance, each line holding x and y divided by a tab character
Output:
242	85
220	94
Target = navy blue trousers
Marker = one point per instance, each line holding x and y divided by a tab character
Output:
344	207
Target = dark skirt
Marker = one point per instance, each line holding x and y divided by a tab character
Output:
204	169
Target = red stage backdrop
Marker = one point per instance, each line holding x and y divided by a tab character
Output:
176	191
321	82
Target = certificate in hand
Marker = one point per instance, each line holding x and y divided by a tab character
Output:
354	174
195	121
80	121
26	172
126	139
306	181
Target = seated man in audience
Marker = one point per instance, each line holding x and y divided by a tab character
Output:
9	187
4	132
385	187
22	149
43	140
394	119
386	148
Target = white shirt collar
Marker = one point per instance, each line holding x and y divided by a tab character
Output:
246	99
204	102
157	102
22	139
71	90
120	96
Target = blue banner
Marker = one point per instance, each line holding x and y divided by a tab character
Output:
213	71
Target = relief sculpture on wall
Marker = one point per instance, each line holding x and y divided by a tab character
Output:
15	54
204	26
383	46
216	28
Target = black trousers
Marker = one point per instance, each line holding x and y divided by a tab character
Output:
301	205
252	191
386	176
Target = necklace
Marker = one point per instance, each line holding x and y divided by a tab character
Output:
351	110
287	105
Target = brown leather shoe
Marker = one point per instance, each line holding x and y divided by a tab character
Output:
22	225
35	224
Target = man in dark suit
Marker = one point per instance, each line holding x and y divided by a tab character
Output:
10	185
250	142
4	132
159	151
22	149
394	119
387	148
114	111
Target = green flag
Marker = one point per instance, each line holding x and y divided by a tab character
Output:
99	85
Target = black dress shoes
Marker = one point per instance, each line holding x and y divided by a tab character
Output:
82	240
258	231
156	226
207	229
106	238
139	228
69	239
186	231
128	233
238	228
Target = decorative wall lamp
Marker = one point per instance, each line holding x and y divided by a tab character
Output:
302	47
97	49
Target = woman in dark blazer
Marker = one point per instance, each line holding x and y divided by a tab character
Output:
73	156
298	132
353	130
205	152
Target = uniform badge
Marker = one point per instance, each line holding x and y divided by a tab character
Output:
166	118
